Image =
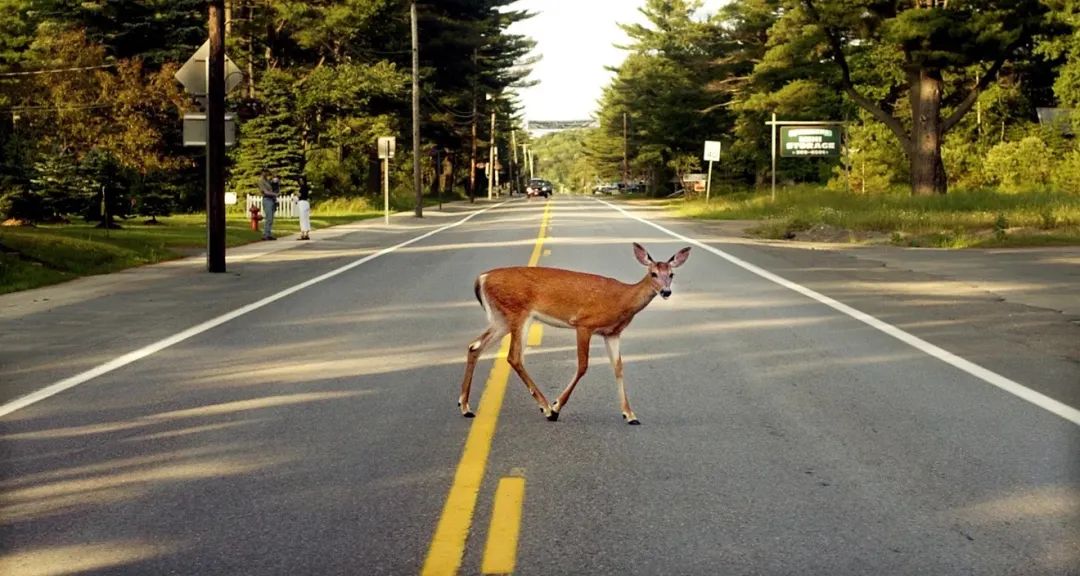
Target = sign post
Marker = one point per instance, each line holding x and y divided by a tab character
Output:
712	154
801	139
386	152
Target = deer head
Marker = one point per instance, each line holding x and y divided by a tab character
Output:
661	272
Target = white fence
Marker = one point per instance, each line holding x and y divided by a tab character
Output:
286	205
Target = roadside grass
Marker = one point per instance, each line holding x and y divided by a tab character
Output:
959	219
48	254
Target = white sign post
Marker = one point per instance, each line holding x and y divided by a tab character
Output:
386	152
712	154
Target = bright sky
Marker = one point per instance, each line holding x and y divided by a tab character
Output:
576	39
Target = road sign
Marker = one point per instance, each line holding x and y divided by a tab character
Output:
809	141
712	151
386	147
194	72
195	129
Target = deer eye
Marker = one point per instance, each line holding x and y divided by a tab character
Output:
671	275
654	274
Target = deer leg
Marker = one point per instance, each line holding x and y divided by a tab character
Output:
583	337
517	347
612	345
477	348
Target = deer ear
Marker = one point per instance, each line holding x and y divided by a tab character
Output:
679	257
642	255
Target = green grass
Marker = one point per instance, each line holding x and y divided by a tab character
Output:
960	219
48	254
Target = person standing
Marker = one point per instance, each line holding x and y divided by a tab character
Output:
269	186
304	206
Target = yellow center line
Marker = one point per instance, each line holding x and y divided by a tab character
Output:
448	544
500	554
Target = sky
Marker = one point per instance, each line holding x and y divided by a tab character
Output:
576	39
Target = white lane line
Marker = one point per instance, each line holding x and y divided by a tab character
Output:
54	389
1011	386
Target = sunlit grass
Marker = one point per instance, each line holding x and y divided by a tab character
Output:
959	219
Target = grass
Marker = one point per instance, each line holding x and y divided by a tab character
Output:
960	219
49	254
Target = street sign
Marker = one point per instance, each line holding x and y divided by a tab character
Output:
386	147
195	129
809	141
712	151
193	73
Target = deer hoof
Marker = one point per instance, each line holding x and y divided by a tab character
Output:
634	422
553	417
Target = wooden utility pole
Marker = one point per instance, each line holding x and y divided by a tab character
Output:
419	211
472	155
625	163
491	153
215	141
513	160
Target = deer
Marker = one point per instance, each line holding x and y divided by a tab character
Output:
587	303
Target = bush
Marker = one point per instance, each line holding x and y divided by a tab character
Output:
21	204
1066	177
1016	166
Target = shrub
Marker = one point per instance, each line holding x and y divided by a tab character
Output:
1016	166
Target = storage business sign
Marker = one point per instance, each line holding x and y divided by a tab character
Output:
809	141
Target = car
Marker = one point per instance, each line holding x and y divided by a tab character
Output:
609	188
538	187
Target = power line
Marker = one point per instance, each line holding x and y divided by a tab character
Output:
55	71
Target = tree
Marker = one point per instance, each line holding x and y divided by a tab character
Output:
917	67
657	108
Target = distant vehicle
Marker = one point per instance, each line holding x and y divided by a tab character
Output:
609	188
538	187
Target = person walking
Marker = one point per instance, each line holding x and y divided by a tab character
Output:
269	185
304	206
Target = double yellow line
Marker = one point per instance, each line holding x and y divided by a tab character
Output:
448	545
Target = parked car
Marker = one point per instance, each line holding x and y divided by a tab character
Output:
609	188
538	187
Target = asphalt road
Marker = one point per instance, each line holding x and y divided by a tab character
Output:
318	434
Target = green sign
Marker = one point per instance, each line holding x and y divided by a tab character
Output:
809	141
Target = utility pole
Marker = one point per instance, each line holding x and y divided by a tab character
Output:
472	155
513	160
215	141
625	164
419	211
491	153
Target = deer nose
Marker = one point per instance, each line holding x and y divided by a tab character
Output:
665	292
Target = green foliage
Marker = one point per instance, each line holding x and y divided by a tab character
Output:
564	163
1017	166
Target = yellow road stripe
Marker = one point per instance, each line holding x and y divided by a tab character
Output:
448	544
536	335
500	554
539	247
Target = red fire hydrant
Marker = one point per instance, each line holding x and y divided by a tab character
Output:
255	217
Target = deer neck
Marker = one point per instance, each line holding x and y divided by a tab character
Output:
642	293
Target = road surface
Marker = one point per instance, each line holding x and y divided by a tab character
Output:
297	415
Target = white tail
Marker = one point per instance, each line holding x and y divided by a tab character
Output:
586	303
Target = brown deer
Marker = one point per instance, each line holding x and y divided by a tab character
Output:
586	303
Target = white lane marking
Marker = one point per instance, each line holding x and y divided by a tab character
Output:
1011	386
54	389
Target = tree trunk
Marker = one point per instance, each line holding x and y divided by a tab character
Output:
927	169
